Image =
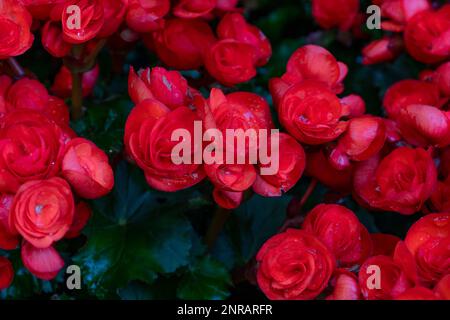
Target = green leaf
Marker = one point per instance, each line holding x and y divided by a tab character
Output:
395	223
136	291
117	254
164	288
249	227
133	237
207	279
225	252
259	219
171	241
130	200
104	123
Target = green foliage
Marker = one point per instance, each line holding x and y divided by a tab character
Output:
145	244
132	237
205	279
249	226
104	123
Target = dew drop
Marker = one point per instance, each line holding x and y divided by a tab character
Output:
303	119
38	209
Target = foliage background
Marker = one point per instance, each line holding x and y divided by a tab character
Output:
145	244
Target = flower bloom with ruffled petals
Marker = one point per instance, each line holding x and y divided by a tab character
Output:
294	265
393	279
310	62
42	211
114	13
15	25
424	126
30	148
397	13
234	26
407	92
364	137
53	41
340	230
92	19
400	182
292	162
29	94
231	62
86	168
168	87
312	113
429	242
182	43
148	141
427	35
238	111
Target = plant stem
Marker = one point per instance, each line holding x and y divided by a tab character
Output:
218	221
308	192
77	96
77	85
77	51
94	53
17	68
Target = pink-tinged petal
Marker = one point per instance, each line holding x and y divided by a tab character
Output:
43	263
227	199
137	87
353	105
442	289
412	7
6	273
382	50
405	259
277	88
424	126
82	215
345	286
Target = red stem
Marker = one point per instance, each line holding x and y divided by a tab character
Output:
77	96
16	67
308	192
76	110
217	223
